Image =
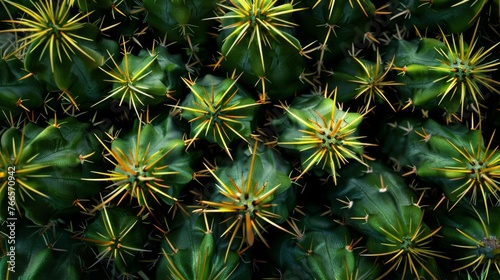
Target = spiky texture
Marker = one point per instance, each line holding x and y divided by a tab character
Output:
45	164
378	203
324	135
52	28
149	166
218	110
193	249
119	238
254	192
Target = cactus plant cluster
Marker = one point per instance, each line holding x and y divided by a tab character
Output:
249	139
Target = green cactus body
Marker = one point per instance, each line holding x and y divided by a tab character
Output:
254	191
397	137
255	40
42	167
324	136
219	111
41	252
415	59
445	75
61	50
52	27
18	95
378	203
192	250
119	237
322	249
150	165
471	239
454	16
457	160
331	23
173	67
182	22
363	79
249	139
137	80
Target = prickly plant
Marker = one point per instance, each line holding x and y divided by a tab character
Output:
458	160
255	40
139	80
149	165
249	139
42	167
365	80
449	74
472	239
325	136
322	249
218	110
118	238
193	249
378	203
252	195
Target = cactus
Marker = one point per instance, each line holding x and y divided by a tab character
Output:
18	95
457	160
263	196
202	255
45	165
322	249
52	30
324	135
149	165
441	13
379	204
363	78
118	236
254	40
445	75
249	139
218	110
139	80
46	252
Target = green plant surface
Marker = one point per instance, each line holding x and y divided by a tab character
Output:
249	139
150	166
324	135
218	111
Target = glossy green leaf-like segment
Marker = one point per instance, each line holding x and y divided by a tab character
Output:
254	191
324	135
46	165
218	111
150	165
